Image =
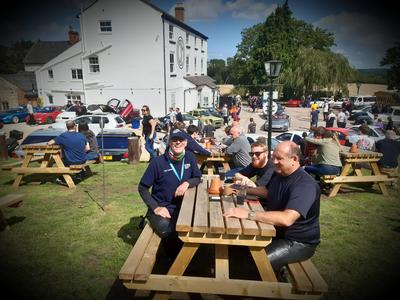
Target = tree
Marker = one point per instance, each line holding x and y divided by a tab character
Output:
392	58
11	58
217	70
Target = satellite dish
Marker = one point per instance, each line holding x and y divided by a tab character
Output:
274	107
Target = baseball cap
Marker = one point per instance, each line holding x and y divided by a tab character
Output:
178	135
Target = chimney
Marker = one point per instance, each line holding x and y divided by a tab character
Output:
180	11
73	36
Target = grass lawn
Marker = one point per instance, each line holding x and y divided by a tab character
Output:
71	244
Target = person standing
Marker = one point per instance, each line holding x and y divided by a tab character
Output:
225	114
330	119
149	131
169	176
172	119
252	126
293	207
178	116
29	108
326	110
314	117
341	119
208	129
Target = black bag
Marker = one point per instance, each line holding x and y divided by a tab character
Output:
16	134
11	143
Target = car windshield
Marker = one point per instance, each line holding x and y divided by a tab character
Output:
188	117
204	113
46	109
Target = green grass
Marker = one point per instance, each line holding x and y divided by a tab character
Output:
71	243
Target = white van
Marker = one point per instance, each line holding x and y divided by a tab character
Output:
363	100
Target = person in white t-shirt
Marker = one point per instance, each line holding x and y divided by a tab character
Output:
341	120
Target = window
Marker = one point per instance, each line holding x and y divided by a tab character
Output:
74	97
201	65
105	26
205	101
187	64
50	73
201	44
171	62
171	32
77	74
187	38
195	65
94	66
5	105
51	101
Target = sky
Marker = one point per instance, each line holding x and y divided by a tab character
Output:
363	30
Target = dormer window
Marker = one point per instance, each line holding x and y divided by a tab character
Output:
171	32
50	74
105	26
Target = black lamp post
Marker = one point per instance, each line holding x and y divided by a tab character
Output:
272	68
358	84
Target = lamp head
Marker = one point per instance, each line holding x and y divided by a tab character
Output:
273	68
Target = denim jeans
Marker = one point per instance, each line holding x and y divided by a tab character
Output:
322	169
149	146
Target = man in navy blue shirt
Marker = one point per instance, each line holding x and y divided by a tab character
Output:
169	176
192	144
292	206
73	145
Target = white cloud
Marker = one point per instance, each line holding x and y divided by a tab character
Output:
239	9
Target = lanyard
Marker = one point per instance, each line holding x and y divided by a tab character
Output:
182	170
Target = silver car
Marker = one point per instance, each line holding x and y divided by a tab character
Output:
279	123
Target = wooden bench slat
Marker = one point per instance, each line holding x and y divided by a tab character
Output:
249	227
319	284
216	219
232	224
200	223
354	179
184	222
301	281
146	264
10	199
266	229
129	267
38	170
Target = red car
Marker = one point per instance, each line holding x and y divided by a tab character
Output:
46	115
294	103
125	109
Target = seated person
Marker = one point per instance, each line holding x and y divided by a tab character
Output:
363	140
169	176
73	145
93	153
327	159
239	150
390	148
192	144
292	206
260	167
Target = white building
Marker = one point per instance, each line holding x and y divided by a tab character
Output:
130	49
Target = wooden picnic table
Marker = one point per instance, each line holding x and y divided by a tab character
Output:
217	158
50	163
200	222
355	161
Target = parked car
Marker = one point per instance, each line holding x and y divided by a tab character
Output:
366	118
375	132
394	113
125	109
280	122
294	103
46	114
294	136
187	119
114	142
363	100
252	138
359	112
111	121
38	137
67	114
204	114
15	115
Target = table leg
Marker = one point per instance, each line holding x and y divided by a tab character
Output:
179	266
221	262
67	177
263	264
336	187
25	164
381	185
46	160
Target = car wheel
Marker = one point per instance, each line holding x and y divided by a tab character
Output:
15	120
49	120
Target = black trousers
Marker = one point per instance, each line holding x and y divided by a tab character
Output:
165	228
282	252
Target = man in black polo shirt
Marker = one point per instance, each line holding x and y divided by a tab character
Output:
292	206
169	176
260	167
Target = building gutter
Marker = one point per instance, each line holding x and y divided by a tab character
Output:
165	70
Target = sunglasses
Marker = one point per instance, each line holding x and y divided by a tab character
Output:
256	153
143	109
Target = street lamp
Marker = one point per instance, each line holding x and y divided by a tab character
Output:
358	84
272	68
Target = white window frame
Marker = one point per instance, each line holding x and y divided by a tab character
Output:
195	65
74	97
195	42
201	44
187	38
201	65
172	62
94	66
76	74
187	64
171	32
50	74
105	26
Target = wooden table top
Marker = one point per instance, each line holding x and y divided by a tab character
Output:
345	153
199	214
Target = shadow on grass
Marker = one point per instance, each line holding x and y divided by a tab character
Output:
131	231
14	220
45	178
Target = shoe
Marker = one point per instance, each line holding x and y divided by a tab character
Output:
59	181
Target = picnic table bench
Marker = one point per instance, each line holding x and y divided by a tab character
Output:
355	161
212	162
50	163
10	200
200	222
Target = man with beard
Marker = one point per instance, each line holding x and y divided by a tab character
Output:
260	167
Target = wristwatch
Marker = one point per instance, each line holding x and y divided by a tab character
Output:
251	215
